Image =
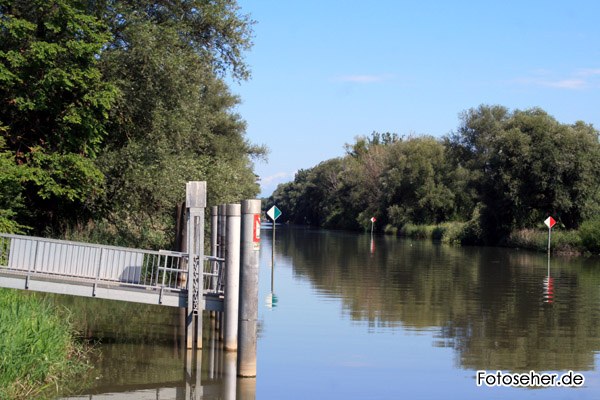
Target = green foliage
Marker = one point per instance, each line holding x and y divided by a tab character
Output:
55	104
417	231
173	99
111	106
562	242
589	232
11	199
52	91
37	349
396	180
527	166
501	171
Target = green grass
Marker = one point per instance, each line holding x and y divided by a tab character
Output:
562	241
446	232
38	351
566	242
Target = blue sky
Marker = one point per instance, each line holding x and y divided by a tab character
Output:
324	72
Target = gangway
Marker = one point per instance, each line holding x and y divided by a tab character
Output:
106	272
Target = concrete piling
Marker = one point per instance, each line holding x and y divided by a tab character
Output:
248	312
232	276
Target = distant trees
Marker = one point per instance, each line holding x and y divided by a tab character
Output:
501	170
109	107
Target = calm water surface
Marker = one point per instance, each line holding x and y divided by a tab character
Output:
344	317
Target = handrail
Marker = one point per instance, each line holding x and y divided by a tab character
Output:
35	256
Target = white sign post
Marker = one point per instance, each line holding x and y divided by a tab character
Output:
550	222
273	213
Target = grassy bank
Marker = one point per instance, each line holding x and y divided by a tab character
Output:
584	240
38	351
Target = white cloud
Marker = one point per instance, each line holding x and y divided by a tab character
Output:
268	184
589	72
276	178
583	78
566	84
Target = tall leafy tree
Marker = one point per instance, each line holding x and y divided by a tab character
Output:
54	104
175	120
526	166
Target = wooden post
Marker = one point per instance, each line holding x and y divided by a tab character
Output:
232	276
248	316
195	203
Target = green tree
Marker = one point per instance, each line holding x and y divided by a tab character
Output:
525	166
175	120
54	105
416	182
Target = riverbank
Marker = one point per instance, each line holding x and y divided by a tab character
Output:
39	353
585	240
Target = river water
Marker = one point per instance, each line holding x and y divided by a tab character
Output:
344	316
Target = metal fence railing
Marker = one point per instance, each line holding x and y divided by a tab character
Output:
214	273
74	260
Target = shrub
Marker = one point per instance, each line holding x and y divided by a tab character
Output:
453	232
390	230
589	233
417	231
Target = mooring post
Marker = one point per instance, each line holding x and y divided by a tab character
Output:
248	313
229	378
196	203
232	275
222	230
214	234
222	253
214	230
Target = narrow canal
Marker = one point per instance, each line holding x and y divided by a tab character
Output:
344	317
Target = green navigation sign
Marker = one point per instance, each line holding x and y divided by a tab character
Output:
274	213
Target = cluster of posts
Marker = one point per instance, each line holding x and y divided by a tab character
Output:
235	238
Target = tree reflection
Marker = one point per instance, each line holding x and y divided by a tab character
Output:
491	305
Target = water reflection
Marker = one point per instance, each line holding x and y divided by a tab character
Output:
168	371
485	303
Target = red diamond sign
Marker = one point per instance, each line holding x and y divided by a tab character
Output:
550	222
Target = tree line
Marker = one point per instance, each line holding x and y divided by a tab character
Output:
108	107
500	171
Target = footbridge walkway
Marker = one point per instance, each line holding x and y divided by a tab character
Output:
107	272
189	279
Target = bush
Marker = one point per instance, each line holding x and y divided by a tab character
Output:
390	230
454	232
417	231
589	233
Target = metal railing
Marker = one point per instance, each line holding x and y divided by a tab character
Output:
104	264
214	275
